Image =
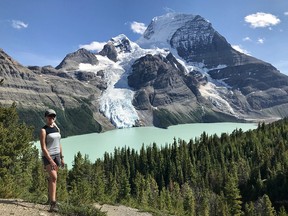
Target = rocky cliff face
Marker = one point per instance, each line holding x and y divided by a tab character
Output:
181	70
158	83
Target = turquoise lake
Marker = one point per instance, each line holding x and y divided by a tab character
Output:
96	144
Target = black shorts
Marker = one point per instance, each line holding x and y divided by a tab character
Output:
56	158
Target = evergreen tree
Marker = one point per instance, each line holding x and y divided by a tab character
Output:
249	209
62	192
266	206
80	180
141	195
124	187
112	188
233	197
15	140
188	200
167	200
39	183
204	209
177	199
98	182
282	211
223	208
17	156
152	191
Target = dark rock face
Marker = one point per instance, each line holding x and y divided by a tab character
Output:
115	46
72	60
159	83
123	45
197	41
262	84
144	70
109	51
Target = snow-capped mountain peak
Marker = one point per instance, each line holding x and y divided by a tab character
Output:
123	44
162	28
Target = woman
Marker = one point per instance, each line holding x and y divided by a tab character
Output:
51	154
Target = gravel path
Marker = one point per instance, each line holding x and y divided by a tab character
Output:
18	207
120	210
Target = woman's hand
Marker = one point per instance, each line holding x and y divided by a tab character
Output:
53	165
62	162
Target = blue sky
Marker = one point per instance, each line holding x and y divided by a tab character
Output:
38	32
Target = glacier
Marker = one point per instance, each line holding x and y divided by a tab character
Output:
116	101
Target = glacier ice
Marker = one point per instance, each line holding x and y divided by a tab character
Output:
116	101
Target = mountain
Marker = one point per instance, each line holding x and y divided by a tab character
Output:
181	70
244	86
72	60
36	88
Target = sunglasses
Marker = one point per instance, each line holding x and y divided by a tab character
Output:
51	116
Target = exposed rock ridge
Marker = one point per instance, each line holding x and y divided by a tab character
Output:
72	60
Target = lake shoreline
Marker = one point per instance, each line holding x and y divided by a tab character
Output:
94	145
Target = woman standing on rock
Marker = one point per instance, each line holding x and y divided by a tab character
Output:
51	154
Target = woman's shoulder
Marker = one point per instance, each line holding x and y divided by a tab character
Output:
50	129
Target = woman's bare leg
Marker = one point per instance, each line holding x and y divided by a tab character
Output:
52	182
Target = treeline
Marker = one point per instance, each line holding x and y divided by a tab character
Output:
242	173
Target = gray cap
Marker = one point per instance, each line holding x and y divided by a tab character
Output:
50	112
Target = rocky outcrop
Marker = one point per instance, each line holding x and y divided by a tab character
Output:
159	82
109	50
72	60
120	44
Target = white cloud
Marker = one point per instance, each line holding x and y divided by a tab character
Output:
260	40
94	46
247	39
138	28
262	20
286	13
17	24
240	49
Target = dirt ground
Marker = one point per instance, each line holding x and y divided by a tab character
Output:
17	207
120	210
